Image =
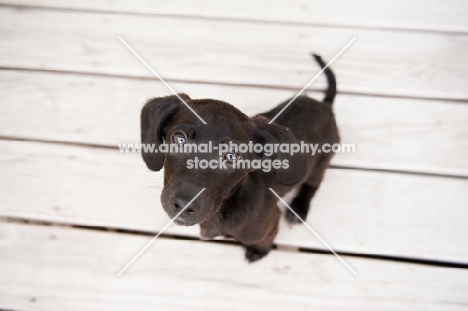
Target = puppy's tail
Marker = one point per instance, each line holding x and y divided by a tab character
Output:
331	92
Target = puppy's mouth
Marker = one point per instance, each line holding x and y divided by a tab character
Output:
187	220
181	221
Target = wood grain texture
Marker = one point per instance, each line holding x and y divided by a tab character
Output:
396	134
354	211
435	15
209	47
53	268
394	63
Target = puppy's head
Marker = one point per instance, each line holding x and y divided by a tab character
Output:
167	120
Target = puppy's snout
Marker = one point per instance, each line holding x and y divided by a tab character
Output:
192	211
189	215
180	202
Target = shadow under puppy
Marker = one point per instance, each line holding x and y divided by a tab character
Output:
237	202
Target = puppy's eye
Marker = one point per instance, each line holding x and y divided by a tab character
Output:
179	138
231	157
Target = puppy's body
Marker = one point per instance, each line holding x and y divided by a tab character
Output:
238	203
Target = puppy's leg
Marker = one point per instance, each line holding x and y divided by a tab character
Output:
259	250
301	203
208	233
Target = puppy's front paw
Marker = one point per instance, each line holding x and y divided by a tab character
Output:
207	233
253	254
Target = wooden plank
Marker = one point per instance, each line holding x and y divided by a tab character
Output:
386	63
396	134
53	268
397	14
354	211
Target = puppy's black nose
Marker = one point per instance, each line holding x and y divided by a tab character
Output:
180	202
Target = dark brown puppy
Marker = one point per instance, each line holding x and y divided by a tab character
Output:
237	202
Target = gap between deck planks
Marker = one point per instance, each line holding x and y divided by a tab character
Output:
429	65
53	268
446	15
229	241
392	134
354	211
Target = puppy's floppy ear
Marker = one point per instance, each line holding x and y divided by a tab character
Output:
156	115
276	134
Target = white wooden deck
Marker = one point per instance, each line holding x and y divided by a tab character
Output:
74	210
